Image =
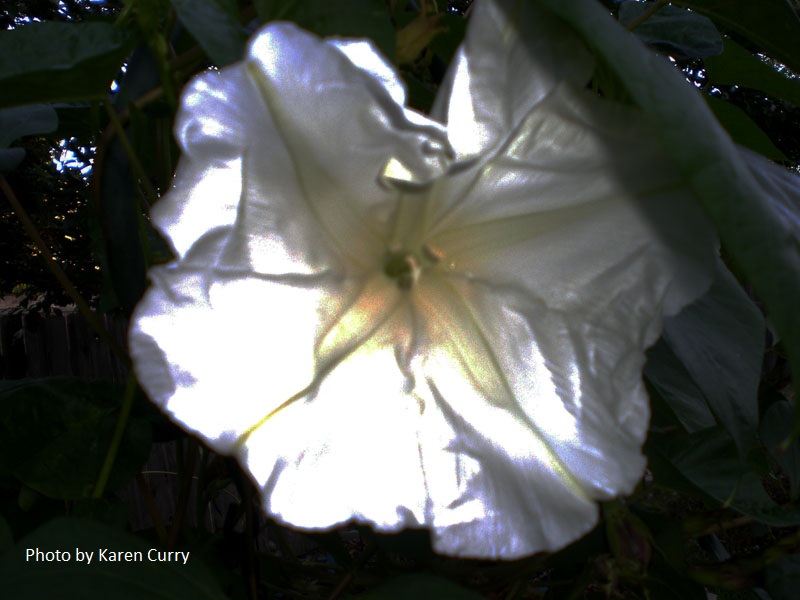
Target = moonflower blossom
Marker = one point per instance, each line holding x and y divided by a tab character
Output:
423	321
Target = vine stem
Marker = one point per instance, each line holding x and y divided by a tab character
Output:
90	316
116	439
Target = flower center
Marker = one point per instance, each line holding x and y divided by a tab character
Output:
403	267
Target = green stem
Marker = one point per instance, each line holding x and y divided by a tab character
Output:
83	307
116	440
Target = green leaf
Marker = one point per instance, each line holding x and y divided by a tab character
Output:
668	375
737	66
719	339
773	25
746	199
347	18
71	579
708	459
420	587
51	62
56	433
743	129
674	31
19	121
215	25
775	427
783	578
26	120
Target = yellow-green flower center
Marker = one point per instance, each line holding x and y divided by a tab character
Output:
403	267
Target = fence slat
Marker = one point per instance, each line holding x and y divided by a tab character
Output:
58	344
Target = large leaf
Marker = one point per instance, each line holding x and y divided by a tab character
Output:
747	200
51	62
737	66
348	18
708	460
121	580
19	121
719	340
120	201
743	129
668	375
215	25
56	432
675	31
773	25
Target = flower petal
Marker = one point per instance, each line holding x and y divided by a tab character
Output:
264	151
349	449
330	105
545	412
205	347
557	284
515	47
585	213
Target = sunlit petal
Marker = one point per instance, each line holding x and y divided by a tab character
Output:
585	213
513	46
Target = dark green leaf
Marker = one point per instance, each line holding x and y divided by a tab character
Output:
51	62
420	587
743	129
19	121
26	120
667	374
110	511
446	43
674	31
215	25
348	18
737	66
80	581
775	427
719	339
56	433
747	200
783	578
121	226
773	25
709	460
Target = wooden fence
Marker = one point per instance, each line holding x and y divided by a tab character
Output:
58	343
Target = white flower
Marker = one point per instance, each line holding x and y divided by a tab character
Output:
408	325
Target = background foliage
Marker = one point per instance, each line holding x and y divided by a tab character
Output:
88	92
